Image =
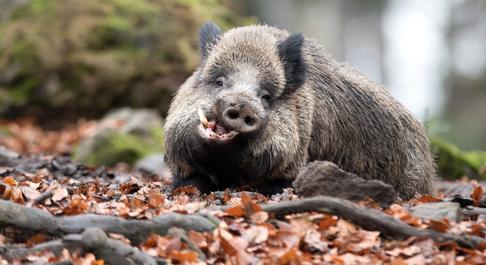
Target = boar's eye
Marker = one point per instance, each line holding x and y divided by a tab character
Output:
219	81
266	96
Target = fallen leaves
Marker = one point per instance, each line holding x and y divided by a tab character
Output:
245	234
12	193
246	208
28	138
77	205
235	247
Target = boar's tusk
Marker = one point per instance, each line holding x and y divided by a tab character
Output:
202	117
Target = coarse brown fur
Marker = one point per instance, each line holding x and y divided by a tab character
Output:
319	110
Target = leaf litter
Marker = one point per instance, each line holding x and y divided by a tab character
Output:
245	234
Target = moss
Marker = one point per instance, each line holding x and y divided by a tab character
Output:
158	136
117	147
454	163
103	54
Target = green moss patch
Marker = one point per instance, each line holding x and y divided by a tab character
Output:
112	147
454	163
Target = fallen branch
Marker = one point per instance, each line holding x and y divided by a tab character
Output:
135	230
93	240
114	251
368	218
471	211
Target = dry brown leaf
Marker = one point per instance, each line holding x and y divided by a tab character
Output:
255	234
235	247
151	241
477	230
259	217
76	206
98	262
477	195
29	193
188	190
14	194
367	241
427	199
183	256
439	226
327	221
197	239
408	251
416	260
59	194
155	198
313	242
250	206
9	180
282	243
36	239
236	211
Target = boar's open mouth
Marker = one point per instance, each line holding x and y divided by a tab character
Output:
214	130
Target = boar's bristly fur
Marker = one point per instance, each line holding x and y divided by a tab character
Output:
263	103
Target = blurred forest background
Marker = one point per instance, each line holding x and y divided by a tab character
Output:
62	60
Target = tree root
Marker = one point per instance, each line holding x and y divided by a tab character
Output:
91	240
136	230
369	219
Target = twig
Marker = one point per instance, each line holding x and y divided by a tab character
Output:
470	210
44	196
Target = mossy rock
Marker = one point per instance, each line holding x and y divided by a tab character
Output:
125	135
82	58
454	163
114	147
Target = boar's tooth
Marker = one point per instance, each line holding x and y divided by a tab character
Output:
202	117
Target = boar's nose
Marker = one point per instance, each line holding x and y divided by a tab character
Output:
239	115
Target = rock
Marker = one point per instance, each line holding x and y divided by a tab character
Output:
124	135
152	165
456	188
326	178
438	211
8	157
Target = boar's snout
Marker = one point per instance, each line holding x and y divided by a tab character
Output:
239	114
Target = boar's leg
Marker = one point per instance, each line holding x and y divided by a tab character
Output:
273	186
202	183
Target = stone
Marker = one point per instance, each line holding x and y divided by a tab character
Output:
152	165
326	178
438	211
8	157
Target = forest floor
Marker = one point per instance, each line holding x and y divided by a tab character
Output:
56	211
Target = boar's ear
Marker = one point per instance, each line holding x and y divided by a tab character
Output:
209	34
290	53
